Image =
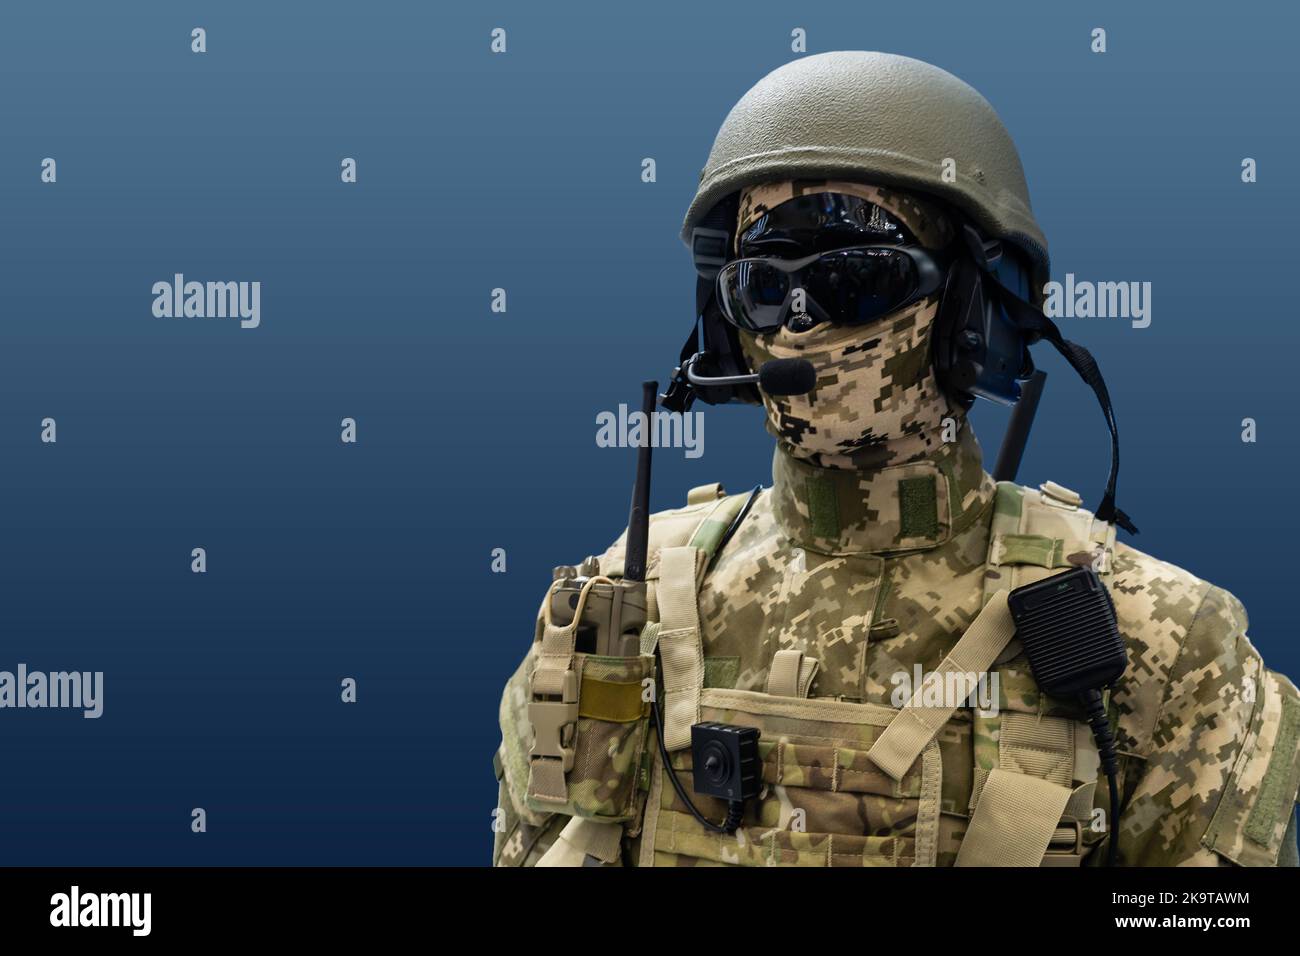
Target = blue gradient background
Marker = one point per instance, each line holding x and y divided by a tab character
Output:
477	429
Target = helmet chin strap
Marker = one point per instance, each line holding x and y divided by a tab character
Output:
1035	325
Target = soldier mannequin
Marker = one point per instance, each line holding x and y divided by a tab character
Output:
804	609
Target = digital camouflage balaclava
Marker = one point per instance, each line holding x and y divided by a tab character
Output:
876	401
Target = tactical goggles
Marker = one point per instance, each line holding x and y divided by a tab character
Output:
852	286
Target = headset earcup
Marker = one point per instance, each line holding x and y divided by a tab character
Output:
722	343
951	368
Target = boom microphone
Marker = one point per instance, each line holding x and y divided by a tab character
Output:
788	376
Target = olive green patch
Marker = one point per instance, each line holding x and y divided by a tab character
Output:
823	508
918	507
1007	501
617	702
708	534
1033	549
1278	785
721	672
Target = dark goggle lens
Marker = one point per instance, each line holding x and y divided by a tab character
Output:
860	286
847	287
753	294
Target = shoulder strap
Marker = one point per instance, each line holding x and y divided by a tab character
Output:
720	523
1018	805
1035	534
673	609
703	523
917	722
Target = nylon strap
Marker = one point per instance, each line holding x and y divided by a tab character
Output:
791	673
681	569
1013	821
897	748
680	646
1033	535
928	807
584	842
546	780
1037	746
554	722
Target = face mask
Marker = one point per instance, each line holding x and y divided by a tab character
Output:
877	401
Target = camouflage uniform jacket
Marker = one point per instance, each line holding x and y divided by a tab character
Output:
837	564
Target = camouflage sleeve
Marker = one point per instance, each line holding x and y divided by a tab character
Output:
518	843
1218	785
521	835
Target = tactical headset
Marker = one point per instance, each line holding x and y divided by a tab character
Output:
980	340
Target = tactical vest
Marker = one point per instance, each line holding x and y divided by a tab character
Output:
845	783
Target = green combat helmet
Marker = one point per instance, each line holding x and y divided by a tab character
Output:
860	665
878	118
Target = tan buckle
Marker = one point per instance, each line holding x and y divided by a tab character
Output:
550	720
1063	857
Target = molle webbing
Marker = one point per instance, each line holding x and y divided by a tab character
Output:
1019	804
680	647
561	693
554	720
1036	534
676	597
